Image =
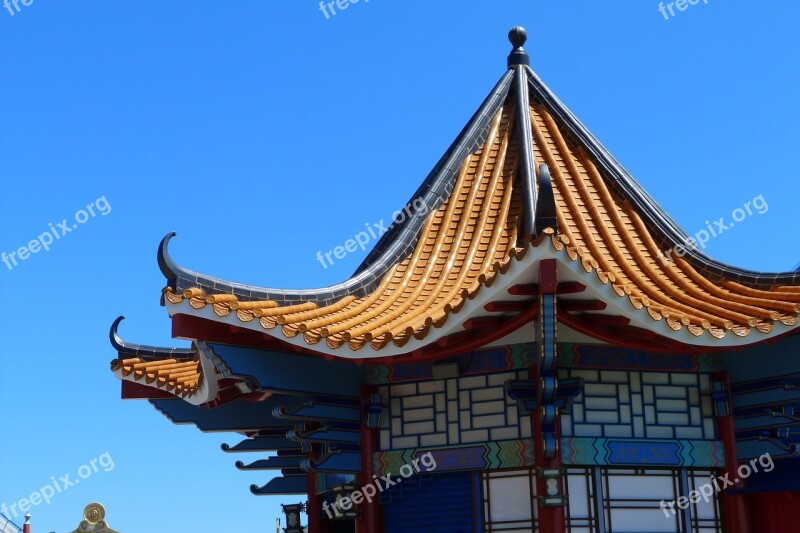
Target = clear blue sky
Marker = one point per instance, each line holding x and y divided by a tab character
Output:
263	132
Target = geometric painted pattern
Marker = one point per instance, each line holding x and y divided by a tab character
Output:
451	412
484	456
639	452
613	357
631	404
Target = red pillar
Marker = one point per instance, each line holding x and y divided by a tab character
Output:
26	527
551	519
734	506
371	520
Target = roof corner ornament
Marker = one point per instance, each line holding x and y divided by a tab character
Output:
94	520
518	55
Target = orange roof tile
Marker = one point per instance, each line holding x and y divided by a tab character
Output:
181	378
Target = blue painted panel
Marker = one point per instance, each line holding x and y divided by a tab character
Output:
292	373
237	415
421	509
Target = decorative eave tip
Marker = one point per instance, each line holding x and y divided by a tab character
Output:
518	55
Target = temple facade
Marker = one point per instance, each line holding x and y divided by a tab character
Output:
536	346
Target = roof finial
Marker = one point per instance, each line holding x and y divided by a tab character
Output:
518	55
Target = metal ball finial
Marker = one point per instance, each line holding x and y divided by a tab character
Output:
517	36
518	55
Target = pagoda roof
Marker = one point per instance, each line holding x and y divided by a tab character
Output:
524	181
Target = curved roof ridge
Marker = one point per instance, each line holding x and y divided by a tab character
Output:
145	352
394	246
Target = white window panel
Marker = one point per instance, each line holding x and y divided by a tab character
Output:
648	394
673	405
423	400
599	389
709	428
645	487
602	417
474	382
674	419
590	376
636	382
636	404
688	433
631	520
684	379
606	403
655	378
415	415
618	431
660	432
427	387
695	413
613	377
440	402
489	408
405	442
588	430
482	395
638	427
489	421
441	422
452	389
505	433
663	391
408	389
439	439
453	434
416	428
694	396
478	435
625	414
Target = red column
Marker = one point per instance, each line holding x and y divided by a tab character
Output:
371	520
734	506
551	519
26	527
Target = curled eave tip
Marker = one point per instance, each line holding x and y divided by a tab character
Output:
167	266
113	336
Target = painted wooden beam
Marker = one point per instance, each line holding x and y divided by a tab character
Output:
291	373
282	486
